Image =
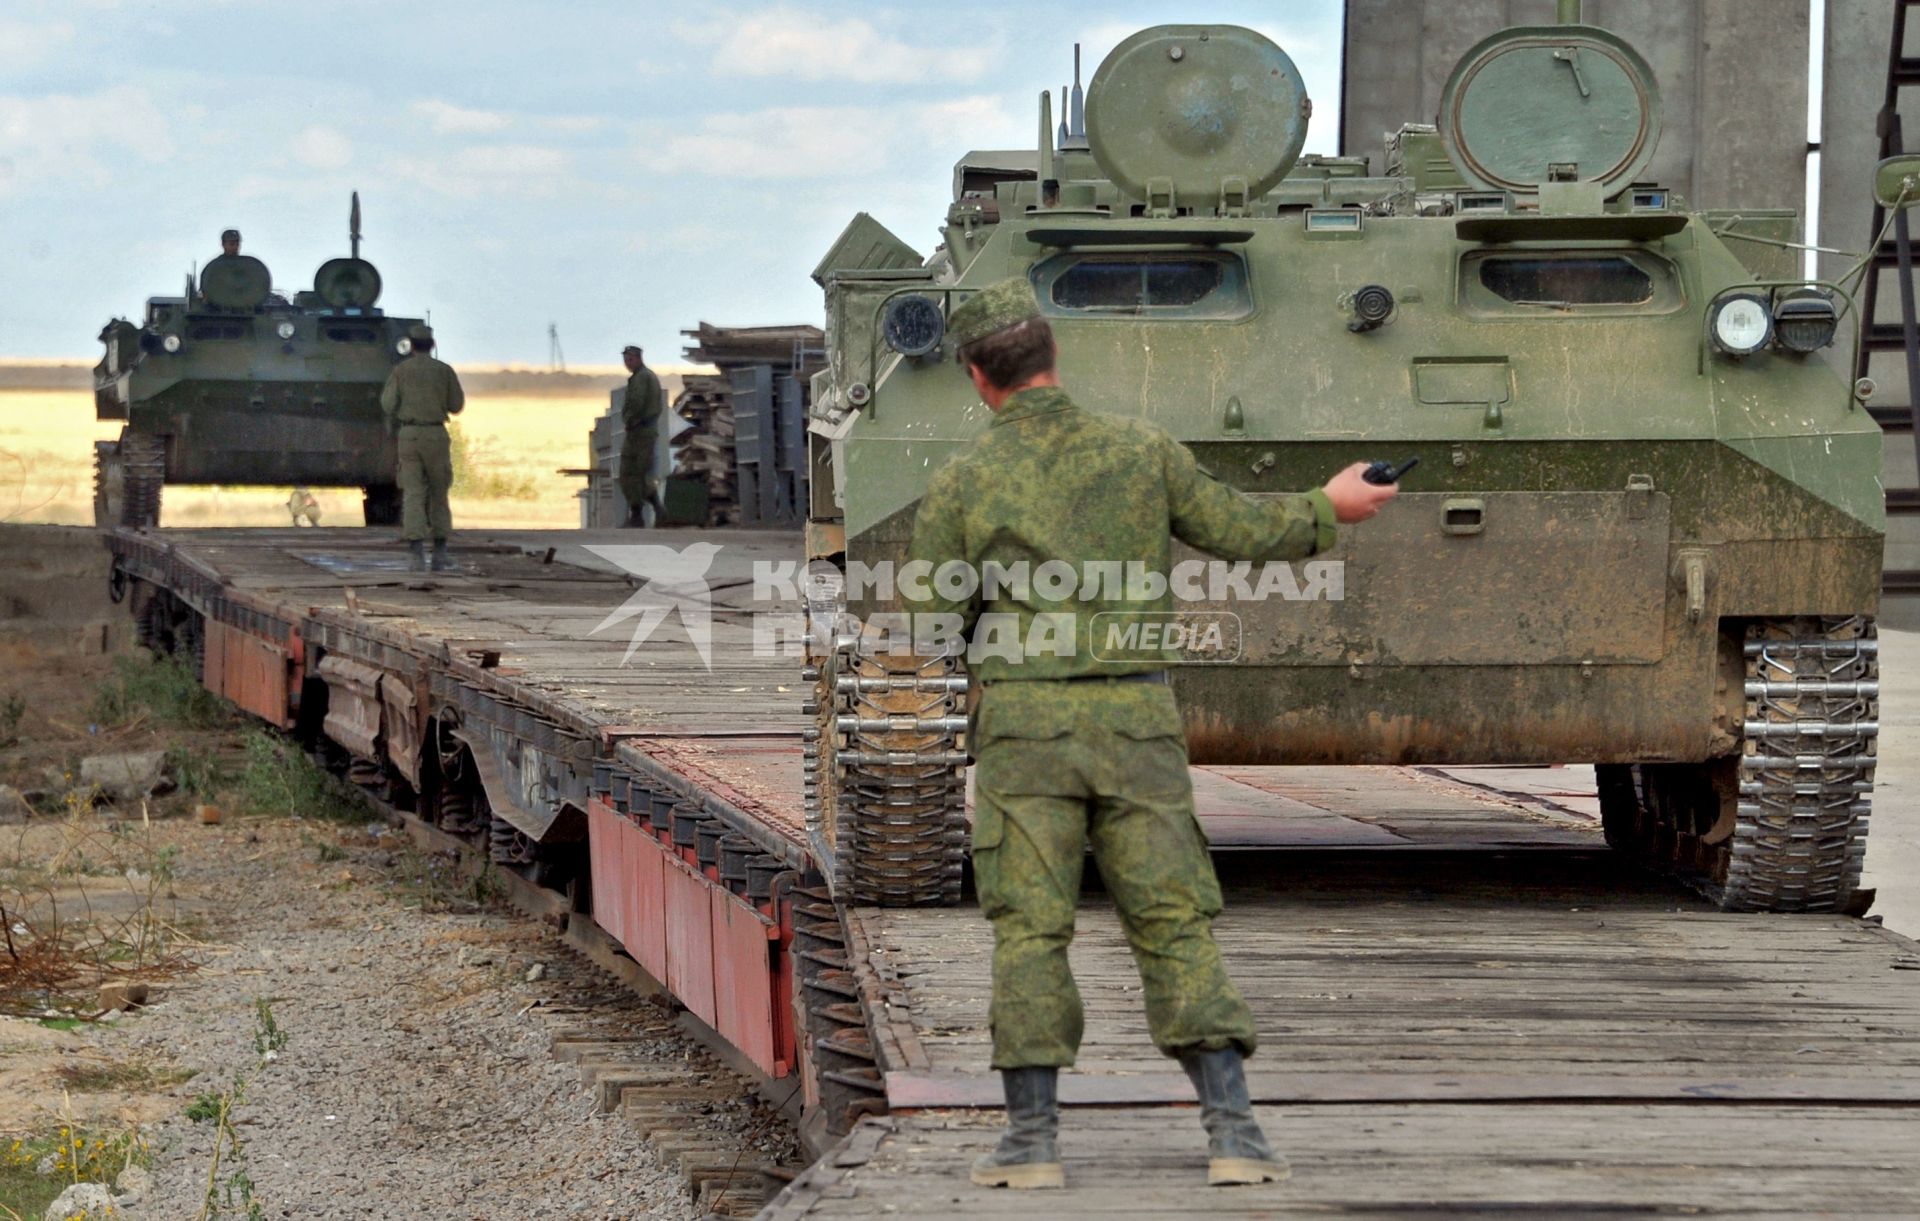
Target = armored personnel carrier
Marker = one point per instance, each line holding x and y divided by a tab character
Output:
1645	532
233	383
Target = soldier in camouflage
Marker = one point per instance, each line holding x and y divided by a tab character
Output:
1073	749
420	394
640	414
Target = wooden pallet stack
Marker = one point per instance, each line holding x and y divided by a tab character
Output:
705	451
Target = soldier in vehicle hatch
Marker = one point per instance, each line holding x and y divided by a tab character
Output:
1072	748
230	241
640	414
420	394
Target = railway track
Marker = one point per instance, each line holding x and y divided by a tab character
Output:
1436	952
711	1118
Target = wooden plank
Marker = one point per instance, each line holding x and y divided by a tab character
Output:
924	1091
1389	968
1553	1160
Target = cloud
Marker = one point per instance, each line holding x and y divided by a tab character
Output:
573	124
323	148
493	169
446	119
23	43
829	141
811	47
58	138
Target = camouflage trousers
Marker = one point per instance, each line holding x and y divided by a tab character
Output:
1061	766
636	467
425	476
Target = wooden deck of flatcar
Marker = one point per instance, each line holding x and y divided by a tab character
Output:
1468	1005
1444	1032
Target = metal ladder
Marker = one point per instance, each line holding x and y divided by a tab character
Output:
1877	336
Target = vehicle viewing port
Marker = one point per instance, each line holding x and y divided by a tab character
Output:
1209	285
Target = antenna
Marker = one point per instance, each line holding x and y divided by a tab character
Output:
353	225
556	359
1066	133
1075	118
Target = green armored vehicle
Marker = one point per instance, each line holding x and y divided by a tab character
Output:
1646	528
233	383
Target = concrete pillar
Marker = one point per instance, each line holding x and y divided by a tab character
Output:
1855	71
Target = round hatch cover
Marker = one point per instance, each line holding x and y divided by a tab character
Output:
235	281
347	283
1551	104
1195	105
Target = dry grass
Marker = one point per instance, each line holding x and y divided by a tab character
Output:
46	465
121	1076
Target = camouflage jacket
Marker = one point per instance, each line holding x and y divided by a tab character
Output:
421	389
1050	481
640	409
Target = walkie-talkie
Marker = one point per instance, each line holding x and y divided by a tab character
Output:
1387	472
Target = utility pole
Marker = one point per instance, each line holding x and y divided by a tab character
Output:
556	359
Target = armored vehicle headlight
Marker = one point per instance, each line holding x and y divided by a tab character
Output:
1372	306
1805	320
914	325
284	330
171	343
1741	323
404	347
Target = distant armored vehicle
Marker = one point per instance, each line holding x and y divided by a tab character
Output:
1645	532
232	383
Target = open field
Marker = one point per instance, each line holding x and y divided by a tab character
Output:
516	444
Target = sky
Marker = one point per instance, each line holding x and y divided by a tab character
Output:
622	169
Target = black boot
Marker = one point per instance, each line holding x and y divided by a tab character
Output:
416	555
1237	1150
1027	1155
442	562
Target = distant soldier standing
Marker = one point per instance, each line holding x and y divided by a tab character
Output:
640	414
420	394
1076	749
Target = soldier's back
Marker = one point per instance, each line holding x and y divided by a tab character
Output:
1058	481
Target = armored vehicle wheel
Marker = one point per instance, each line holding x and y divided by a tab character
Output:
886	785
1782	826
143	458
109	484
381	504
127	477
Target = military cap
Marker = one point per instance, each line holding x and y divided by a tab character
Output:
994	308
229	235
632	347
419	330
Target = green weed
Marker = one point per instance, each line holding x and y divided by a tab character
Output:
12	710
276	778
161	688
198	773
77	1154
